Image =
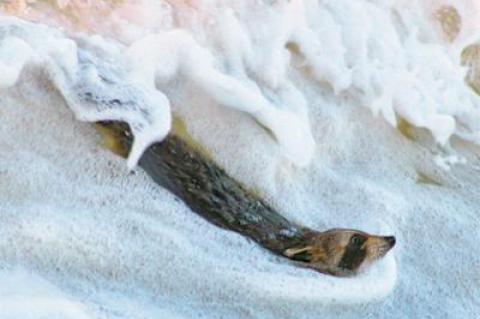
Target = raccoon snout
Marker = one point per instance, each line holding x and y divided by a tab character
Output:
390	240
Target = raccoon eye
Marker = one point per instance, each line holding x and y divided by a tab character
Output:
356	239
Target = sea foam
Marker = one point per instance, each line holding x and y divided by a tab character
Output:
381	55
104	243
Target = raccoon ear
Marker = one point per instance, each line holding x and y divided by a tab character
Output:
299	254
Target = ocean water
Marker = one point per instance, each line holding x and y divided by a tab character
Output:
340	113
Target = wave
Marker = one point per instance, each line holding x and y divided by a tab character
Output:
263	85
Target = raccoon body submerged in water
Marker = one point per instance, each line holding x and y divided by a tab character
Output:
183	169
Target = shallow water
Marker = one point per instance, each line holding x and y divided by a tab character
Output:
82	237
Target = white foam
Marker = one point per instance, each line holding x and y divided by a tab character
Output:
13	56
388	61
111	244
24	295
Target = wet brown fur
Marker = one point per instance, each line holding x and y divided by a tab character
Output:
326	251
189	172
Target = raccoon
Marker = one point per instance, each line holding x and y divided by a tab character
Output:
180	165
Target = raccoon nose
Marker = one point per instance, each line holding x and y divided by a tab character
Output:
390	240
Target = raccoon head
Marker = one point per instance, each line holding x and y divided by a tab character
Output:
340	252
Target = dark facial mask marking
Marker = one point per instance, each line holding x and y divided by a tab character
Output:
354	254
